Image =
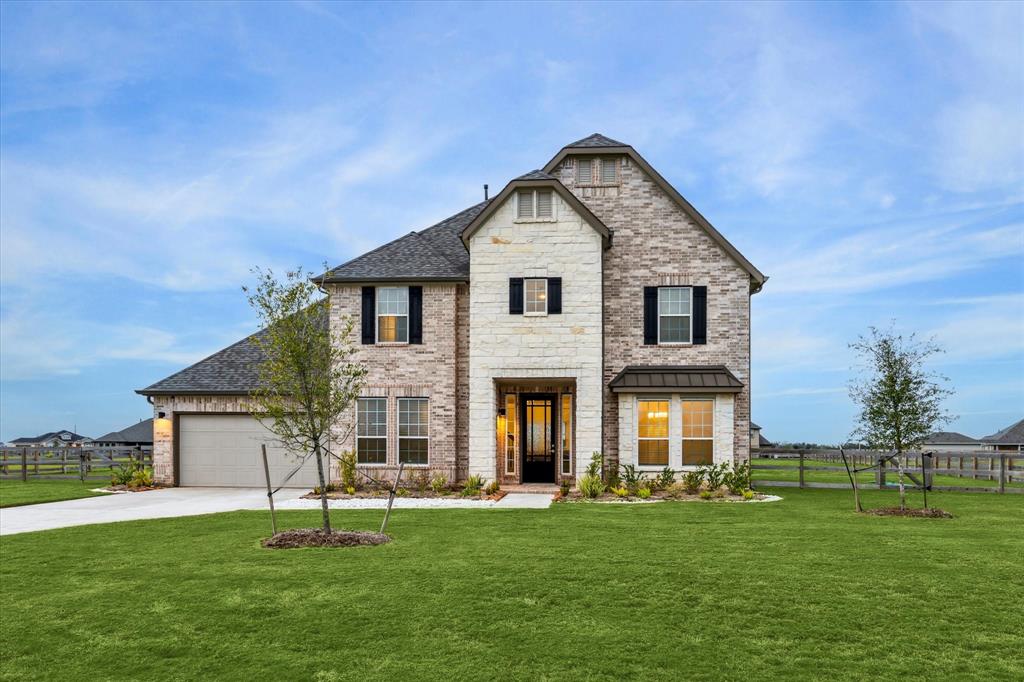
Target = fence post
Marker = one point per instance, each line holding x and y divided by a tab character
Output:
35	458
24	465
801	470
880	473
1002	472
81	466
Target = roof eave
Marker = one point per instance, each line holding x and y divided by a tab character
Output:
378	280
178	391
757	277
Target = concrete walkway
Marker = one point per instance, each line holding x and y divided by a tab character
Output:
175	502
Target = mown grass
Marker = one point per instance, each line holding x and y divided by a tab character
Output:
15	493
799	589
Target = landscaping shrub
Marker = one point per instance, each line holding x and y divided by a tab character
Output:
666	478
421	481
564	487
692	480
591	484
748	494
492	488
706	494
439	483
620	491
643	492
631	477
738	479
331	487
714	474
121	474
348	470
141	478
472	486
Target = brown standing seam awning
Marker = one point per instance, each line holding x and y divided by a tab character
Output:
676	379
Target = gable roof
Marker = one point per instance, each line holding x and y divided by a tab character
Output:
141	432
1011	435
949	438
536	178
436	253
232	371
75	437
675	379
600	144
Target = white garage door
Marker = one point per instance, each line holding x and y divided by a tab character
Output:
224	450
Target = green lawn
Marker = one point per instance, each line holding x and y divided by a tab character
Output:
802	588
14	493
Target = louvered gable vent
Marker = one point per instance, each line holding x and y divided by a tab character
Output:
543	204
609	170
525	205
584	171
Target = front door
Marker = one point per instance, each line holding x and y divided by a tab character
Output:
537	415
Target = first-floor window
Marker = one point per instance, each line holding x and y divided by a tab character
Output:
413	430
372	431
652	432
698	431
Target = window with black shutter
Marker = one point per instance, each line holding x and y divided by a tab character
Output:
515	295
416	315
369	315
554	295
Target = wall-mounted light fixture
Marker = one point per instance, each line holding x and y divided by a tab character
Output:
161	415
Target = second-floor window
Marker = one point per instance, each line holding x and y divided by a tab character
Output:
392	315
533	204
536	296
675	315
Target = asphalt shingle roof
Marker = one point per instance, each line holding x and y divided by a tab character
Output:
536	175
51	434
1011	435
136	433
675	378
596	140
949	438
233	370
436	253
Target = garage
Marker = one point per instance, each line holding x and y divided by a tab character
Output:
223	450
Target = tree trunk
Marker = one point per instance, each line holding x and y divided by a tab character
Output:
903	490
323	486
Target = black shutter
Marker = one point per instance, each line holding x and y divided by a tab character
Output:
650	316
554	295
369	314
415	314
515	295
700	315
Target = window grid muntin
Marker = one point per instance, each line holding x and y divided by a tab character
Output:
698	431
675	314
413	430
371	430
392	314
652	431
535	296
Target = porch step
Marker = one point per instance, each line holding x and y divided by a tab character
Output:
547	488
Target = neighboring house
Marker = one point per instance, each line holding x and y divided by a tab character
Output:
950	441
1010	439
54	439
588	307
135	435
757	441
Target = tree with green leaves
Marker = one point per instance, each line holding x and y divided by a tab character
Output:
308	382
900	401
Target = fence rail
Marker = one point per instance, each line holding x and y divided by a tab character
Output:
1003	468
91	462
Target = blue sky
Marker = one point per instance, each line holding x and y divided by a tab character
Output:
868	157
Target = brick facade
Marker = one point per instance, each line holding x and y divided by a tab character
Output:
655	244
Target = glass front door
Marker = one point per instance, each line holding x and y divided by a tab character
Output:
537	437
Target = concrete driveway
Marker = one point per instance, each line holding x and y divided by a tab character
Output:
154	504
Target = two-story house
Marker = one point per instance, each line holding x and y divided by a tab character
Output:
587	307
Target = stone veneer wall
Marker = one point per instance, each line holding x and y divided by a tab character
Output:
163	429
427	370
504	346
655	244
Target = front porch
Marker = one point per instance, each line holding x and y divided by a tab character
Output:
535	422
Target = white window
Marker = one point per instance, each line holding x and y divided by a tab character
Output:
372	431
413	430
585	171
652	432
675	315
392	314
609	171
534	204
698	432
536	296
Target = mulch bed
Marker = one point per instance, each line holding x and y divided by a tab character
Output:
316	537
932	513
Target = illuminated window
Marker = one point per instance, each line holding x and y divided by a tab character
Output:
392	314
698	431
652	432
372	431
413	430
537	296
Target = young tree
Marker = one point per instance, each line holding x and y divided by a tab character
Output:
900	401
307	381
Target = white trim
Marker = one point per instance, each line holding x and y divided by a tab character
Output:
688	315
377	316
636	430
385	436
526	299
682	435
400	437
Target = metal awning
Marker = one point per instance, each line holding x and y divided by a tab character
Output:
675	379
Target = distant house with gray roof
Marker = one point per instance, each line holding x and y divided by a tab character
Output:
950	441
136	435
1010	439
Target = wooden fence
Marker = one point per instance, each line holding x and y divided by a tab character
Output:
920	468
90	462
